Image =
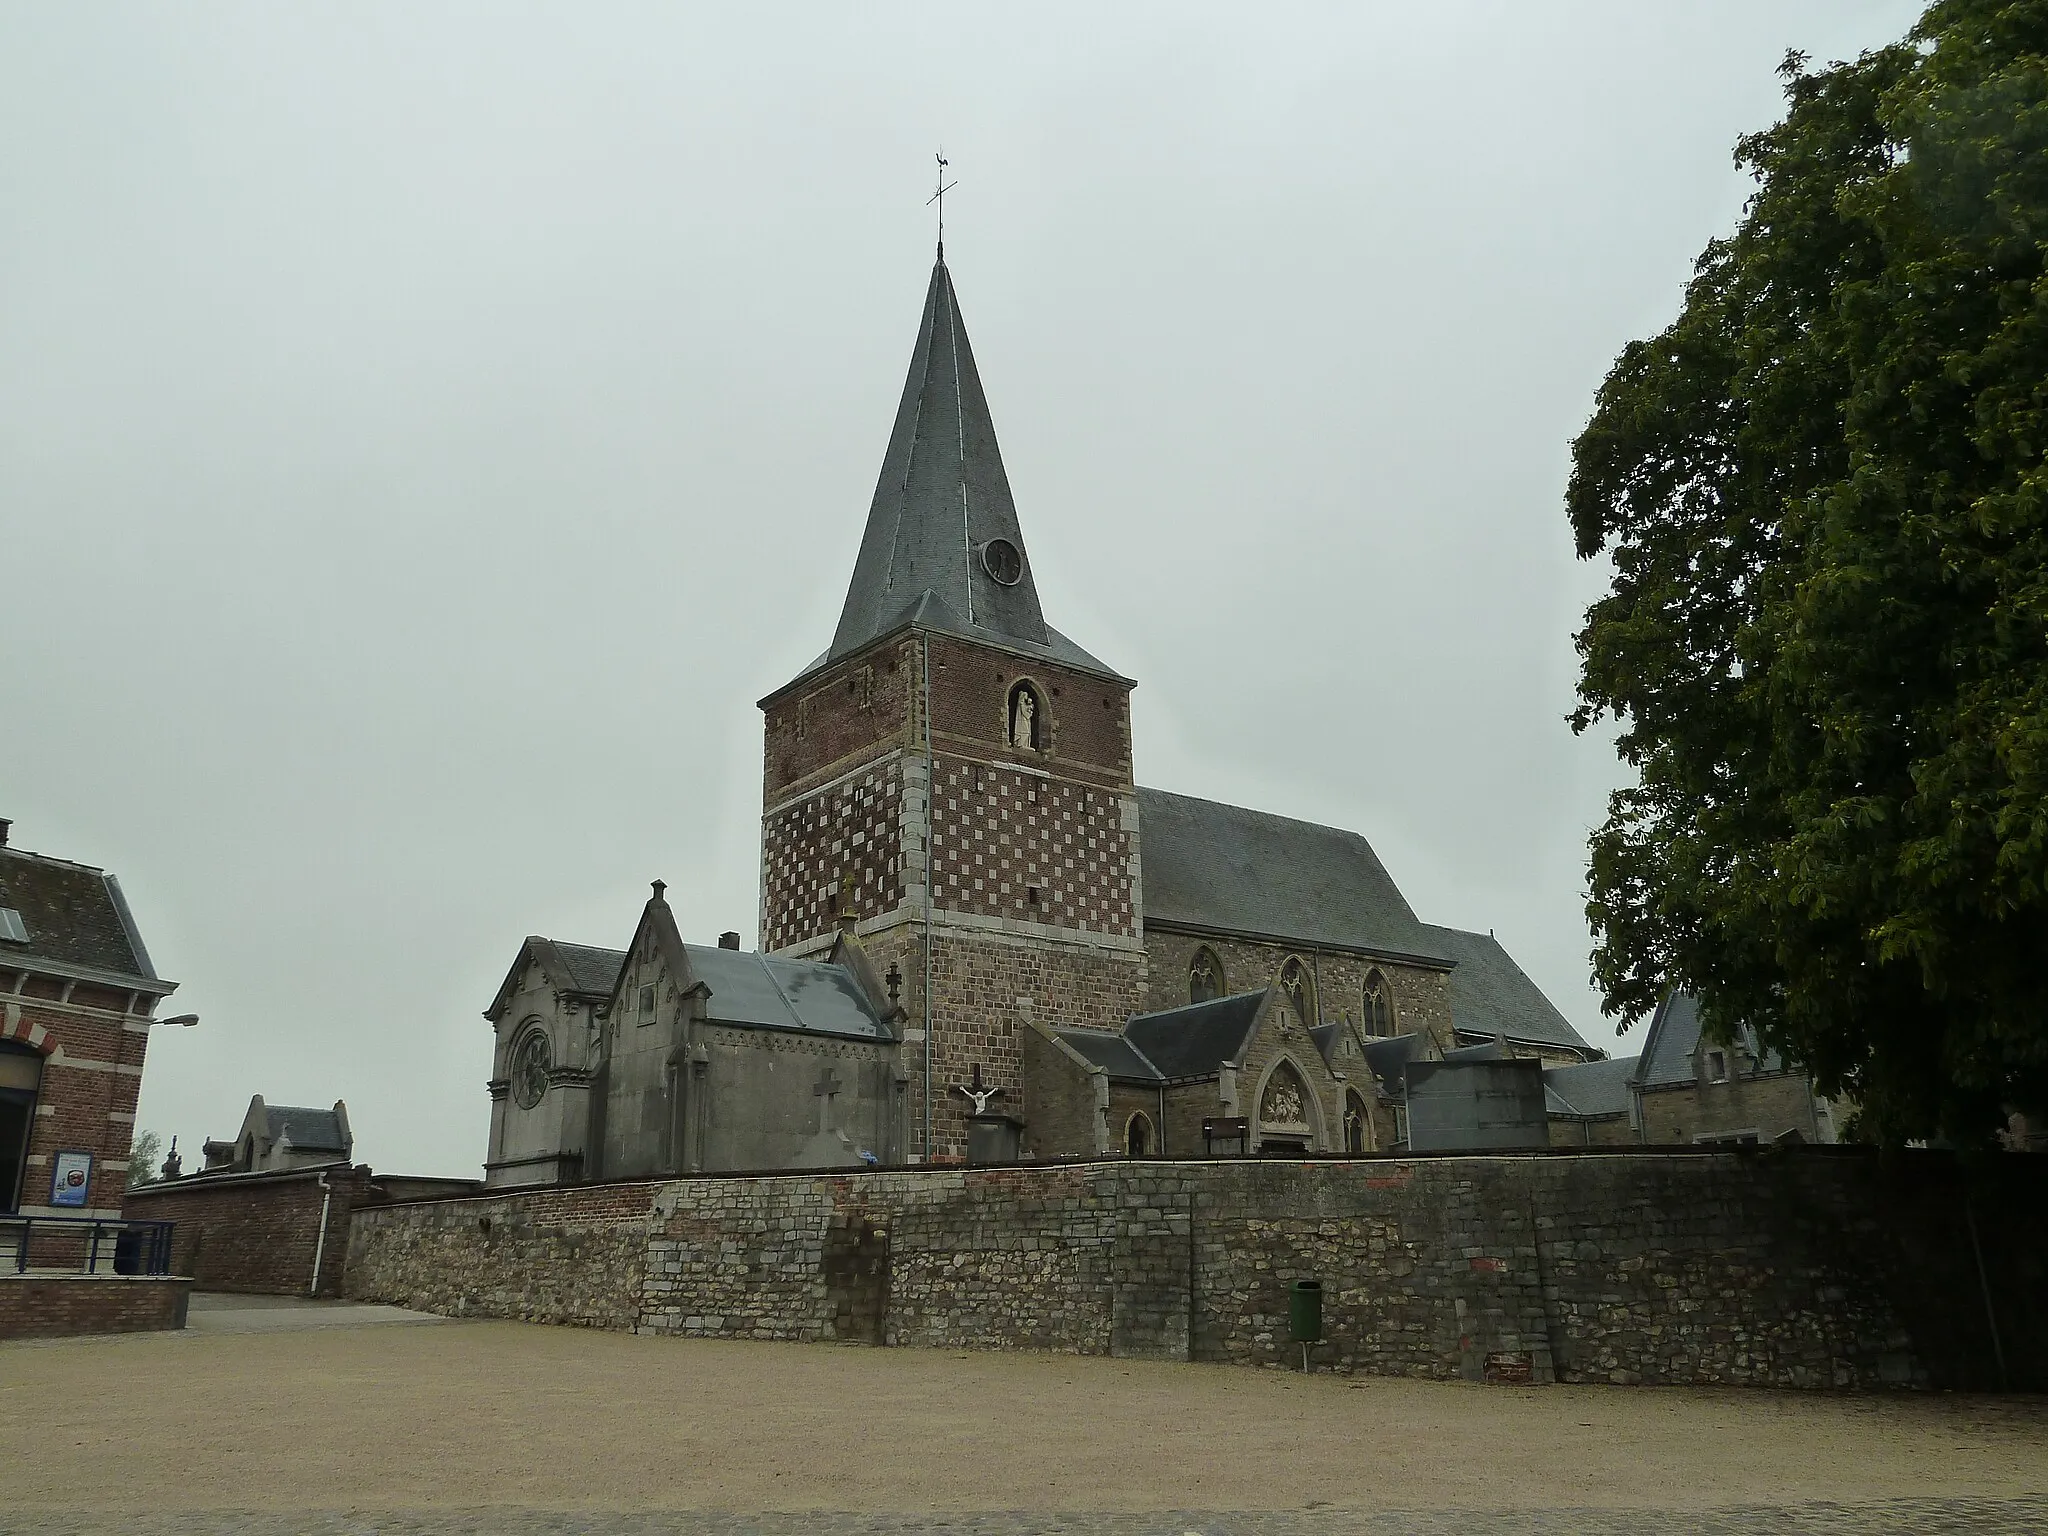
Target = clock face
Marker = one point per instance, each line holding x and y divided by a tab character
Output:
1002	560
530	1070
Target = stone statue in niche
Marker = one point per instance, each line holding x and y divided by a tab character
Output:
1023	719
1283	1103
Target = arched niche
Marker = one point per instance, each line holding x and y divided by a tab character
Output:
1288	1116
1025	725
1140	1139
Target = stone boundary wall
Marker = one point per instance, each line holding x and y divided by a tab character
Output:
61	1306
1786	1268
257	1233
576	1254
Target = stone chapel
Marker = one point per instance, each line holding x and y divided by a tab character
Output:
968	902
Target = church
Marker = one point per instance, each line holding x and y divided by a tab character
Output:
974	919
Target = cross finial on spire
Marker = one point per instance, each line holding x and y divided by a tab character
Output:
939	197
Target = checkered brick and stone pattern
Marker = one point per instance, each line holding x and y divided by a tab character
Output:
1034	855
1016	843
1815	1268
835	849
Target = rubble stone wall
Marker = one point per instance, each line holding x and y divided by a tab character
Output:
1809	1267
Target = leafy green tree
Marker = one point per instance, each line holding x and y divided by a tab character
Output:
145	1152
1825	646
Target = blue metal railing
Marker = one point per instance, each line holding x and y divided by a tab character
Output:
85	1245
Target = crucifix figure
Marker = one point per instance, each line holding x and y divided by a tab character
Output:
939	197
975	1091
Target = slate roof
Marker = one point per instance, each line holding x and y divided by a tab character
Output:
1491	995
1589	1088
75	915
310	1130
941	498
1210	865
1194	1040
1674	1035
590	969
1177	1043
767	992
1388	1057
1111	1052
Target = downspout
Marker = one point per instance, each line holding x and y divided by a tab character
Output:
320	1246
931	801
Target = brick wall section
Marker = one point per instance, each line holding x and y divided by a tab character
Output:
1813	1268
1084	727
572	1254
257	1233
63	1306
92	1054
1015	844
986	985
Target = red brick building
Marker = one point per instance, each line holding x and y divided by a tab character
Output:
77	992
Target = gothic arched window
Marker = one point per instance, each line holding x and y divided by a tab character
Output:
1378	1004
530	1061
1026	717
1138	1136
1357	1127
1205	976
1300	989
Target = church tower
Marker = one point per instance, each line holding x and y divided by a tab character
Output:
952	779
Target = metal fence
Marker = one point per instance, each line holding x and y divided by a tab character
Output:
82	1245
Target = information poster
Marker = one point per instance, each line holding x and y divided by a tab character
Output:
73	1178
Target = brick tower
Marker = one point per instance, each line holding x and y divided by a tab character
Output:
953	777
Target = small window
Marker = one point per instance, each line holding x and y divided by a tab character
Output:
1377	1005
1717	1066
1300	990
1138	1136
1205	976
647	1003
1357	1125
12	928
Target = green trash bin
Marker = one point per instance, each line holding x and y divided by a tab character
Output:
1305	1311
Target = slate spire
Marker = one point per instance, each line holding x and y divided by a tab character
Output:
942	546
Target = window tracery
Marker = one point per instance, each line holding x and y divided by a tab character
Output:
1299	988
531	1058
1378	1005
1205	976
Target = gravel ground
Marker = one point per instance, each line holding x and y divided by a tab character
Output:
475	1427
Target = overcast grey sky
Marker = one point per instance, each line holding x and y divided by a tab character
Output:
425	430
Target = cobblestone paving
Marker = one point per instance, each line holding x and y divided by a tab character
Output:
1924	1517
